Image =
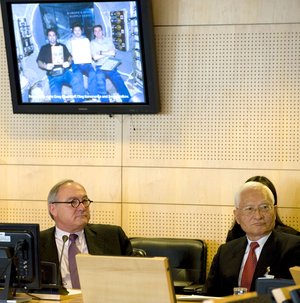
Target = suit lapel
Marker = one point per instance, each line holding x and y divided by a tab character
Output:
267	258
230	262
237	256
94	241
48	248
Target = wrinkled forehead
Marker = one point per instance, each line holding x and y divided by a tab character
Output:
254	196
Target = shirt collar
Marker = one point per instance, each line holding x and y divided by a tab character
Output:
59	233
261	241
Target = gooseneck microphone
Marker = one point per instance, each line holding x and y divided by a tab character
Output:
60	289
65	238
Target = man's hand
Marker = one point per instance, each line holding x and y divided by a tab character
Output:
66	64
49	66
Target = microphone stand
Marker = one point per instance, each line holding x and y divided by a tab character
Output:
61	289
57	289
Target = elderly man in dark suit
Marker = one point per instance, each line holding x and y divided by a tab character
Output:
272	252
68	206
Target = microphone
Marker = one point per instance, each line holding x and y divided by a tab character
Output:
55	286
65	239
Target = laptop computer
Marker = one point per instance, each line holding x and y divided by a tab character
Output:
116	279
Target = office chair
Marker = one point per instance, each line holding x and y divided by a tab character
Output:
138	252
187	259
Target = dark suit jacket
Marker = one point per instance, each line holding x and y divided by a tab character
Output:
280	252
101	240
237	232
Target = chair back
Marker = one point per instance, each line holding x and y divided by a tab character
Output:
187	257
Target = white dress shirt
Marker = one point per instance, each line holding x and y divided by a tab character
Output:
63	253
258	250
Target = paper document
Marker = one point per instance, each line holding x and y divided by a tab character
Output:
81	51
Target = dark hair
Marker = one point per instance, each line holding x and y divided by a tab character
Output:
97	25
51	30
77	24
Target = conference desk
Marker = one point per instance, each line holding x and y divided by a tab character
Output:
78	299
229	299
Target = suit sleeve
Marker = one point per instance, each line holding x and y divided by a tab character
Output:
125	243
212	282
107	240
48	249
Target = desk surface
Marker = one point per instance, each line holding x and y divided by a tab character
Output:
77	299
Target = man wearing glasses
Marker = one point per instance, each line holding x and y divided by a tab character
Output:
263	252
69	207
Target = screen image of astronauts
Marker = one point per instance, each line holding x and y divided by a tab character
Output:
102	64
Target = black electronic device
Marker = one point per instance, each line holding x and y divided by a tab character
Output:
51	282
19	259
130	84
264	286
295	295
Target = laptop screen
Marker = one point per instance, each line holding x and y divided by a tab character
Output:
116	279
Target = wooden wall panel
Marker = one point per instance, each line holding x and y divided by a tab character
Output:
183	186
204	12
229	100
30	182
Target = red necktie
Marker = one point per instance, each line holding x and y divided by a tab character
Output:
73	251
249	267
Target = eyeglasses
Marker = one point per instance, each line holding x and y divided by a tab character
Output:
76	202
251	210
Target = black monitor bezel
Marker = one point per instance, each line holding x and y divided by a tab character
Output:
151	89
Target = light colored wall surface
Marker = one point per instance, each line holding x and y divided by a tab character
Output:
229	87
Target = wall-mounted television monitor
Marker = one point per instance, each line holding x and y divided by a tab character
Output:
74	57
19	258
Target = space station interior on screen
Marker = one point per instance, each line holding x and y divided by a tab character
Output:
79	52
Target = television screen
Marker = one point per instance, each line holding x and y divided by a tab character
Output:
20	261
67	56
